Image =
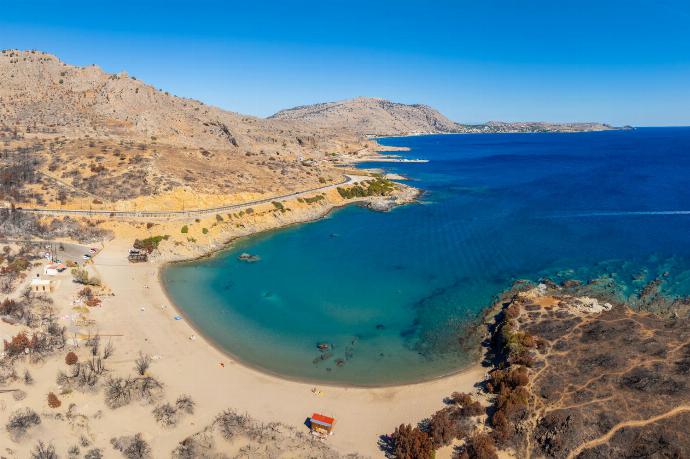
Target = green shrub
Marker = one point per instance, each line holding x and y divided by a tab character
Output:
377	187
204	230
278	205
81	276
185	229
314	199
219	218
150	243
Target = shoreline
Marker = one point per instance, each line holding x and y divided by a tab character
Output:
161	265
218	381
265	371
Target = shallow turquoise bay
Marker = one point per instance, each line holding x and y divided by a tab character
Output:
392	292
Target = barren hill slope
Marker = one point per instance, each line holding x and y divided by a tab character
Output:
71	132
370	116
41	94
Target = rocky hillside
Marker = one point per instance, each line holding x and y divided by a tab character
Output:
372	117
39	94
380	117
81	136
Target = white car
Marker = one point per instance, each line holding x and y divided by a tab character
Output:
86	256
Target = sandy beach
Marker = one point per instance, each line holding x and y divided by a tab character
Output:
194	367
139	317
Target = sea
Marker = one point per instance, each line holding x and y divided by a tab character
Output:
368	298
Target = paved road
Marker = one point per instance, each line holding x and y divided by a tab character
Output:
183	214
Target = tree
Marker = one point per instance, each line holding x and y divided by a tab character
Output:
53	401
411	443
71	358
19	344
442	428
480	446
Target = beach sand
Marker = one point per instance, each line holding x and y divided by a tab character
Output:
193	367
140	317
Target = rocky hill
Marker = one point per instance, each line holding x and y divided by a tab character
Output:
380	117
372	117
71	132
42	95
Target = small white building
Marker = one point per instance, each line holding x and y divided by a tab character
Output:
39	285
54	269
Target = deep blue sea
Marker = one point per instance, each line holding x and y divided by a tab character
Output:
390	292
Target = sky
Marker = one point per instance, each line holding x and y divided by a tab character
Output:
621	62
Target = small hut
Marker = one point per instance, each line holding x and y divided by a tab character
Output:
137	256
39	285
320	425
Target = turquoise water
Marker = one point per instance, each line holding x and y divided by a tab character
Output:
391	293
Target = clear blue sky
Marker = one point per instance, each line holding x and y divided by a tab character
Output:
624	62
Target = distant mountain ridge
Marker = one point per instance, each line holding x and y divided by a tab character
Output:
380	117
371	117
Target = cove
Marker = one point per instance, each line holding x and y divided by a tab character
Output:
393	294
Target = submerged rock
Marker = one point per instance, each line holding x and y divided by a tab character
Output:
248	257
322	357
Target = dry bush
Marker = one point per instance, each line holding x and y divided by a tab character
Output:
53	401
148	389
28	379
44	451
166	415
409	442
7	371
197	445
108	350
20	421
231	424
118	392
121	391
185	404
479	446
142	363
94	453
71	358
132	447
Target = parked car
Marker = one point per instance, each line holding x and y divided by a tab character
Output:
86	256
